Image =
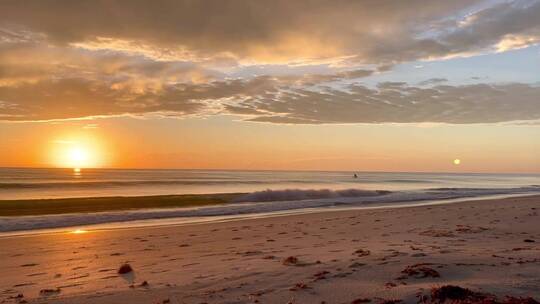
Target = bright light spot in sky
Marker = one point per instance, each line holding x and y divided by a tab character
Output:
457	161
78	153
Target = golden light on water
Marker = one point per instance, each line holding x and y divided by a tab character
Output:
79	231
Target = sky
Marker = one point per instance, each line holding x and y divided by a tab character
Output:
285	85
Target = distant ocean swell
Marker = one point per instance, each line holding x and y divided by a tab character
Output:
98	184
107	184
263	202
38	183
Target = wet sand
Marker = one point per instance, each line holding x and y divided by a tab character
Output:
489	246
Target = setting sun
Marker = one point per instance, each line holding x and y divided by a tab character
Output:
78	156
77	153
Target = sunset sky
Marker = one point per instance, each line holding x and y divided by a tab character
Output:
308	85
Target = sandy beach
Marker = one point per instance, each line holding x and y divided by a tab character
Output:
489	246
261	152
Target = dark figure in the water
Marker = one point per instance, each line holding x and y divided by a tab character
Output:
355	176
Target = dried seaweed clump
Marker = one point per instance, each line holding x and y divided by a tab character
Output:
125	268
460	295
292	260
420	271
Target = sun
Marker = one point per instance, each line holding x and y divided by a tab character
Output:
78	158
77	153
457	161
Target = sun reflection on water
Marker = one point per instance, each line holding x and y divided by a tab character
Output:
77	172
79	231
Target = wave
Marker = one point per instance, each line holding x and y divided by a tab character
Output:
301	194
410	181
100	184
359	199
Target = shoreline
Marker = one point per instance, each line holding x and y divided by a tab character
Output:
341	256
184	221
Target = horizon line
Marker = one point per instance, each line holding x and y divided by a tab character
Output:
269	170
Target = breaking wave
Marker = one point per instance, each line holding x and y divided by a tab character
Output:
301	194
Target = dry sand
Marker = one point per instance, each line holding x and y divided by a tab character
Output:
336	257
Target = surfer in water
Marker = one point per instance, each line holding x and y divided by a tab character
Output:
355	176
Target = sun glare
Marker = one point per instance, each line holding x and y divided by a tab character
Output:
77	153
79	231
78	157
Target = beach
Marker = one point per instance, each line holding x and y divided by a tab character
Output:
261	152
371	255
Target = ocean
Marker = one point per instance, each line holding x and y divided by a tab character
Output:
268	192
29	183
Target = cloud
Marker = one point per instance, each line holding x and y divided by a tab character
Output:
64	98
278	31
279	100
397	103
432	81
32	62
62	59
78	98
263	31
506	26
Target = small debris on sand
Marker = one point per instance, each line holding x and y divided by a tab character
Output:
356	265
290	261
321	275
49	291
298	286
18	296
362	252
361	301
513	300
469	229
420	271
437	233
125	268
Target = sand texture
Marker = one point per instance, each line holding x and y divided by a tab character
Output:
360	256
